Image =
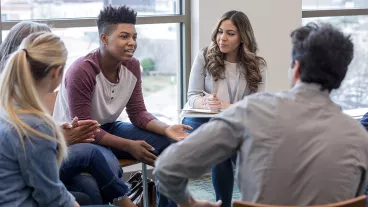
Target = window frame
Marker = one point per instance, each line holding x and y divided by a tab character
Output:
359	112
183	18
334	12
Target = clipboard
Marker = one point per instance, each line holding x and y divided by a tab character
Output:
204	111
197	113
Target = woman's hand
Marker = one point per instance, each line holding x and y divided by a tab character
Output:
213	103
225	105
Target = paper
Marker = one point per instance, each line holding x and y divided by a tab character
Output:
205	111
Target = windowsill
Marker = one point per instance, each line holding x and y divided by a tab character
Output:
356	113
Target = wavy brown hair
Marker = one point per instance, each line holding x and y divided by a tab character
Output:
247	52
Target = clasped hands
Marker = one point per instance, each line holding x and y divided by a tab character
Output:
211	102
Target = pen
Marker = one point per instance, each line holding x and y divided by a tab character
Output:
205	93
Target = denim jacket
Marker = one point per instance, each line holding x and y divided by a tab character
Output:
30	175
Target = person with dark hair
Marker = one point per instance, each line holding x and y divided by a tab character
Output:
322	62
101	84
295	148
364	122
16	34
84	159
222	74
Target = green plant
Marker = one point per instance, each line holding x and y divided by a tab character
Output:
147	65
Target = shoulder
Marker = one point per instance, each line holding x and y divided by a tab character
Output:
256	103
263	70
133	66
259	104
262	97
202	54
353	134
36	143
35	122
355	125
84	67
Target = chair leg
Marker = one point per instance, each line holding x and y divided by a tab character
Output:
145	186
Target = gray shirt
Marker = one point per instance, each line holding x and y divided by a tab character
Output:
200	80
294	148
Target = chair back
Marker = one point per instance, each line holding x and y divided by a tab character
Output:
355	202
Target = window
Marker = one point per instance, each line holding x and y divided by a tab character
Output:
351	17
70	9
160	44
353	93
333	4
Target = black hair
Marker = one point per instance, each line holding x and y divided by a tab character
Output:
324	54
110	16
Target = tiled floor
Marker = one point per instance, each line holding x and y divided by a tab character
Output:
203	189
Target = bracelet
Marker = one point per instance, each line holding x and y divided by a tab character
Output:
115	200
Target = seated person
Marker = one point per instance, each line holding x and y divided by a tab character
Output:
82	157
32	146
227	71
364	121
101	84
295	148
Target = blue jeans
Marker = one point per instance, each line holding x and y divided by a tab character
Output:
223	180
81	198
88	158
222	173
129	131
194	123
85	183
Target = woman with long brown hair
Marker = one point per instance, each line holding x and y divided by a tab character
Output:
222	74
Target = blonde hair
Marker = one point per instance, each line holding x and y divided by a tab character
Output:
249	61
37	55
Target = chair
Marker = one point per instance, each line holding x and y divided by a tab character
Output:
355	202
249	204
128	162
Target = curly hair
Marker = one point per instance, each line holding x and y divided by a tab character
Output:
247	52
324	54
110	16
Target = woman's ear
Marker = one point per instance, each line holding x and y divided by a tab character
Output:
57	71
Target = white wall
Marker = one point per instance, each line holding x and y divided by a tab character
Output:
272	22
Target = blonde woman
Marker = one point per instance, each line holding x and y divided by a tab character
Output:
32	146
83	157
